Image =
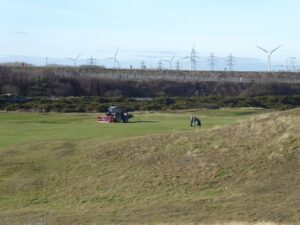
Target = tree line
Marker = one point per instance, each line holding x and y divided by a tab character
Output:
52	84
100	104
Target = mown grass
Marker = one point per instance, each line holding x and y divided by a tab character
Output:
19	128
154	170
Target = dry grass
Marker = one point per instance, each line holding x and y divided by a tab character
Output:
227	223
247	172
41	222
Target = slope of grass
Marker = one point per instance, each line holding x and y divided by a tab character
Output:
248	172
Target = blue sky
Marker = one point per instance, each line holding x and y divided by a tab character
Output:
148	28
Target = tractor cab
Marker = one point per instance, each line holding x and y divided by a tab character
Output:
115	114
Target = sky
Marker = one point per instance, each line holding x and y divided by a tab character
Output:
148	29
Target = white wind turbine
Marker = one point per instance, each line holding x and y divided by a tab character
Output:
170	61
269	55
74	59
114	58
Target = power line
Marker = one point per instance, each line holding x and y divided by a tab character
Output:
178	65
293	64
91	61
230	62
170	61
160	65
194	59
143	65
212	61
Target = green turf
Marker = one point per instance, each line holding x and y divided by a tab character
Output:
19	128
68	169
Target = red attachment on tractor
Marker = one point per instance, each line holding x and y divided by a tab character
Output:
105	119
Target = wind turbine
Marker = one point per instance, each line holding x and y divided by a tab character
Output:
114	58
74	59
269	55
170	61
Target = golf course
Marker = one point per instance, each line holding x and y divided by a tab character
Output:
20	128
242	166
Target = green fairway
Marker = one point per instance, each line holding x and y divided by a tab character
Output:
66	169
19	128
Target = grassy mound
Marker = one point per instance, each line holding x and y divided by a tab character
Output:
245	172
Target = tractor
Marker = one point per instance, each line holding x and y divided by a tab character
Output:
115	114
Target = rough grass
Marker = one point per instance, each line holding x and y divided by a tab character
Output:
246	172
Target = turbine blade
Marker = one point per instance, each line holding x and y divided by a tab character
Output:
109	58
118	63
187	57
264	50
78	56
117	52
276	49
69	58
173	58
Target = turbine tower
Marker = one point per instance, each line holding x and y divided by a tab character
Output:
74	60
114	58
269	55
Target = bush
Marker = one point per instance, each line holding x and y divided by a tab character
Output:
102	108
12	107
92	104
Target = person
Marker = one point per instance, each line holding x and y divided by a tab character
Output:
197	122
192	120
